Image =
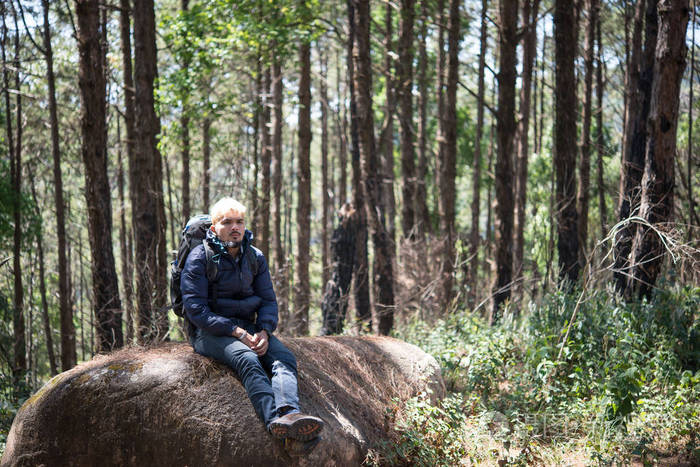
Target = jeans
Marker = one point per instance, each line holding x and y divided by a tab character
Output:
268	395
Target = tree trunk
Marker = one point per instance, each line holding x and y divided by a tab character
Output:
600	141
124	240
658	180
422	212
473	260
206	157
565	133
185	128
280	262
448	193
440	139
66	311
325	189
387	135
529	17
337	290
342	194
689	175
583	196
302	288
145	176
404	73
382	268
92	83
265	161
505	127
632	165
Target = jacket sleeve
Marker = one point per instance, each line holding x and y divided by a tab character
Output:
262	287
194	285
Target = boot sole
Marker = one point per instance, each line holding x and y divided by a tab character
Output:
303	429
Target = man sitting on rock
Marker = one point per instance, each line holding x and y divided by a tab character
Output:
232	320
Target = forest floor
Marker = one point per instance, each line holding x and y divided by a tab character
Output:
623	389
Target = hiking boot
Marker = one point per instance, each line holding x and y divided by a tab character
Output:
296	448
297	426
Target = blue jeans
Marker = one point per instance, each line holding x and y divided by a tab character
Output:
268	395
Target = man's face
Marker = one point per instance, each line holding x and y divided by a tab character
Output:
231	227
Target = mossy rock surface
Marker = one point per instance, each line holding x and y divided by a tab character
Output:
169	406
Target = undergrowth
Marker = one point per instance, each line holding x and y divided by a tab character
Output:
627	386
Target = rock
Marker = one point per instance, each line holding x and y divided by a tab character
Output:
168	406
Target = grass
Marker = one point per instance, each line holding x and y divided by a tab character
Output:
625	389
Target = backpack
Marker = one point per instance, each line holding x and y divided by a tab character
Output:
193	234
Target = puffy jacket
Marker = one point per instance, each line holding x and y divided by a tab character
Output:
238	293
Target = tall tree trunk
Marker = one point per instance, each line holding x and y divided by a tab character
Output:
422	212
265	161
145	176
325	189
691	200
565	133
600	141
583	196
632	165
42	283
337	290
382	268
185	128
19	346
658	180
440	99
92	83
529	17
342	195
276	174
404	73
68	356
302	287
206	158
448	193
124	240
476	174
387	135
505	127
257	109
363	308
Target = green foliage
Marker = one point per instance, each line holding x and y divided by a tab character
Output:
627	381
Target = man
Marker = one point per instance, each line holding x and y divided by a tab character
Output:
232	320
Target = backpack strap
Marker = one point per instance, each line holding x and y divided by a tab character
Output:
212	271
252	260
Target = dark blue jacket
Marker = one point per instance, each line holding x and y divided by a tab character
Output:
239	294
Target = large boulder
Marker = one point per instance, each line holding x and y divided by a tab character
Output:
169	406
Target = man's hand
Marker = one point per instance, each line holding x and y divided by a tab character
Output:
261	341
243	336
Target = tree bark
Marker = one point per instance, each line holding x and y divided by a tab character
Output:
565	133
583	196
387	135
325	175
206	157
185	128
265	161
473	262
505	127
363	308
124	240
93	121
146	182
658	180
632	165
448	192
382	268
529	17
404	72
337	290
440	139
280	262
689	174
600	141
422	212
302	288
68	356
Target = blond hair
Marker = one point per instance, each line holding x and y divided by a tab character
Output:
223	206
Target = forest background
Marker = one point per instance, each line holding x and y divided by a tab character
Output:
510	185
